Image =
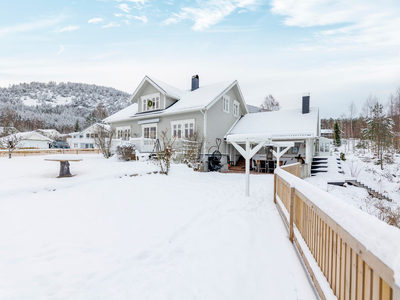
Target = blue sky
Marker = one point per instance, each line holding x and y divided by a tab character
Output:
338	51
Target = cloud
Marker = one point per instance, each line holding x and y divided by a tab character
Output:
366	22
134	1
118	15
61	50
142	18
67	29
32	26
111	24
96	20
209	12
124	7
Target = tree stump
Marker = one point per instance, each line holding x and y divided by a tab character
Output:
64	169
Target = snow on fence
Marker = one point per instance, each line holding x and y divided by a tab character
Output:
30	152
348	253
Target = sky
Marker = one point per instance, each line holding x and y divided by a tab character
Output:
338	51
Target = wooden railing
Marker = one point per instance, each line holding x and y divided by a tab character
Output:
30	152
350	270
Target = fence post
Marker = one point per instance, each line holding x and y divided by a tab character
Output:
275	183
291	221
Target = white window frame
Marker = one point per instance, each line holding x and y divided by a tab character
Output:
123	132
236	108
155	98
150	125
225	103
175	125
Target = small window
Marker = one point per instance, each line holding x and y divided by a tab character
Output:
87	135
81	136
225	104
151	102
75	145
235	108
182	129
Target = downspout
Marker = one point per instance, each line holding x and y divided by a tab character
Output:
204	131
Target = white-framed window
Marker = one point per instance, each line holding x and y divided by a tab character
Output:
149	131
123	132
225	103
151	102
236	108
182	129
75	145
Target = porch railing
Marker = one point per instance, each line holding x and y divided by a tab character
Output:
143	144
334	257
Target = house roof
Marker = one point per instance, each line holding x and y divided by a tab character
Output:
123	114
33	135
276	125
203	97
105	126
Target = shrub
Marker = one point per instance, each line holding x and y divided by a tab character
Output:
342	156
126	150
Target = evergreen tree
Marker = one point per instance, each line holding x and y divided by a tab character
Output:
77	127
379	131
336	133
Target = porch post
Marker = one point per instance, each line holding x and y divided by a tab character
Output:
309	154
247	168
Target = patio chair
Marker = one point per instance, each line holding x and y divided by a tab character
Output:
262	166
271	166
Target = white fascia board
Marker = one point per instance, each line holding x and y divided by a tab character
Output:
220	95
147	79
230	129
253	138
242	98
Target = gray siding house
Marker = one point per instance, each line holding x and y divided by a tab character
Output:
157	107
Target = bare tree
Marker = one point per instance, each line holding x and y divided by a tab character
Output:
165	156
10	142
103	139
270	104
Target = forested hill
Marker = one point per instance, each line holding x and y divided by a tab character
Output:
51	105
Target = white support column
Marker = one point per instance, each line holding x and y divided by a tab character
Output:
278	155
248	154
309	153
247	168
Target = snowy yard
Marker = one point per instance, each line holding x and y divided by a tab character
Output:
106	235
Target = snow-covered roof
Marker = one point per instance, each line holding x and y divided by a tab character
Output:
276	125
31	135
123	114
105	126
188	100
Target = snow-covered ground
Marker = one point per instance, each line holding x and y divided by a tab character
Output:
106	235
361	166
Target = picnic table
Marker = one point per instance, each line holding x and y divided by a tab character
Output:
64	164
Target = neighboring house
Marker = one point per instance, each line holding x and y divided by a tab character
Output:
210	111
50	133
85	138
32	139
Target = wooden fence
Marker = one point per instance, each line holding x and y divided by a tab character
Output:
350	269
30	152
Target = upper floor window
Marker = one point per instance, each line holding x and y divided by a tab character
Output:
151	102
225	103
236	108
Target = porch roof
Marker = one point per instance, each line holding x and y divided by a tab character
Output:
277	125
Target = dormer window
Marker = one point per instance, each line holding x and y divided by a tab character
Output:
151	102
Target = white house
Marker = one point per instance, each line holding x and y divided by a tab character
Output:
85	138
33	139
50	133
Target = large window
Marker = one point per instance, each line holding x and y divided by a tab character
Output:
123	132
235	108
183	129
225	103
151	102
149	131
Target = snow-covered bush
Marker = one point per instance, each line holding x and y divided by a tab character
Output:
126	150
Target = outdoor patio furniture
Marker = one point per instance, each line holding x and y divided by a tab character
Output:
262	166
